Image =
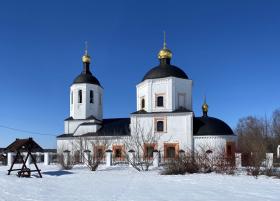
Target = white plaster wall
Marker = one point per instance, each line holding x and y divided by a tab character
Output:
182	86
70	126
170	87
86	109
178	127
73	144
216	143
82	129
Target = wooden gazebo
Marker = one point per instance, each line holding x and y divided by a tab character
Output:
20	146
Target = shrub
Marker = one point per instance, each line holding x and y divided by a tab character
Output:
65	166
180	165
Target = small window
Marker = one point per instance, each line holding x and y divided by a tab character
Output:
99	153
229	150
80	96
142	103
118	153
71	97
149	151
170	152
160	126
91	96
160	101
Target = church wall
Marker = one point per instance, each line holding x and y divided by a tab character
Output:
182	87
215	143
71	126
170	88
178	128
150	89
86	109
82	129
86	143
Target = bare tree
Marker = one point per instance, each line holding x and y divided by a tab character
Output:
98	144
143	141
276	125
252	142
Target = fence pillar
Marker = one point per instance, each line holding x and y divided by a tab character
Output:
10	158
46	158
238	163
131	157
269	160
109	158
87	157
156	158
66	157
181	153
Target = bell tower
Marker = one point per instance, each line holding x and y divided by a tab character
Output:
86	94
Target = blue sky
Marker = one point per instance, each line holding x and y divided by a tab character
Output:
230	49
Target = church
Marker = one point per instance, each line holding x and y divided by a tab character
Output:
163	108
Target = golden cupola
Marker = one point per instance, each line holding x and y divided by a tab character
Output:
164	53
205	107
86	57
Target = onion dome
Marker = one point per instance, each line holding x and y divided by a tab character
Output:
206	125
86	76
165	69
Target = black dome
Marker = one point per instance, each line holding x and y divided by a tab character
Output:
86	78
165	69
210	126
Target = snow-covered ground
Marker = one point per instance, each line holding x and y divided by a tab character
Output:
126	184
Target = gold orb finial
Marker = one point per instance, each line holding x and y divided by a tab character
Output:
205	107
164	53
86	57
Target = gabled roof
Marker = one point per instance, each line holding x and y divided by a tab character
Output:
24	145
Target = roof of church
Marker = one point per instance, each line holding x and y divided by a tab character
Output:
165	69
86	78
110	127
86	75
206	125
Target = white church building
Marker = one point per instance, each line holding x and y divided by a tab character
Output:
163	107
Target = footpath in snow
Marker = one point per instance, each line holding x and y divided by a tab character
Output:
126	184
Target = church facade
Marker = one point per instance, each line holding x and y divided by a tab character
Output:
163	108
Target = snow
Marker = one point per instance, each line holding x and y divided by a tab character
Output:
121	183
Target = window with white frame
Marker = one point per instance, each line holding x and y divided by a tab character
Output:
160	125
159	98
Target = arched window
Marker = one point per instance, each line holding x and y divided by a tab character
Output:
71	97
160	126
209	151
91	96
160	101
80	96
142	103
